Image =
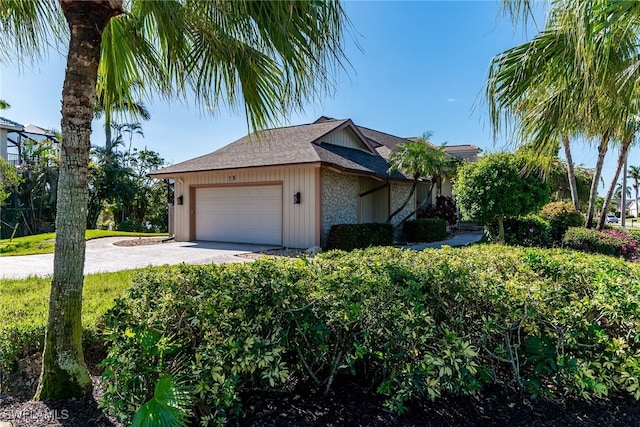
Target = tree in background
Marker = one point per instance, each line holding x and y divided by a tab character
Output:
419	159
267	57
9	177
4	104
493	188
38	193
110	105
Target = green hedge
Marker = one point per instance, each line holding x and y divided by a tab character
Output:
347	237
530	231
413	325
606	242
425	230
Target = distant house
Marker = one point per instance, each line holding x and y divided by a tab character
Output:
632	208
288	186
13	136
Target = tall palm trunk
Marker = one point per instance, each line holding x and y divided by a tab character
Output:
602	151
571	176
64	373
624	149
406	202
635	202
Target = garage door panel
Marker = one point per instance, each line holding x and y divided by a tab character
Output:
240	214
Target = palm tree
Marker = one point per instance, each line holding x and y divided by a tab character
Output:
265	57
125	105
567	81
618	191
419	159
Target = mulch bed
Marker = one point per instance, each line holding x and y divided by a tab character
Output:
350	404
143	241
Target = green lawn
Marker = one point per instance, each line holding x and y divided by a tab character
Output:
24	302
44	243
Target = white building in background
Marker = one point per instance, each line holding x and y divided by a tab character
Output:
632	208
13	136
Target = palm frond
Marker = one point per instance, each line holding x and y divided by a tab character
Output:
29	29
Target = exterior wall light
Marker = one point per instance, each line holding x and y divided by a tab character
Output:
180	200
296	198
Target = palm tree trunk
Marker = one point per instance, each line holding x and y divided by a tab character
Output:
602	151
406	202
64	373
571	176
635	202
624	148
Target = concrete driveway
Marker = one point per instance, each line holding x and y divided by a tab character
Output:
103	256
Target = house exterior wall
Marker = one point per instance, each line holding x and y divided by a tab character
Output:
447	188
399	193
299	221
339	195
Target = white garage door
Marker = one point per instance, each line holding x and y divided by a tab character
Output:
240	214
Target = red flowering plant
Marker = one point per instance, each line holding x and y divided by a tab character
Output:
608	242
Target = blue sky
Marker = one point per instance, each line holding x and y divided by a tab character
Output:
422	67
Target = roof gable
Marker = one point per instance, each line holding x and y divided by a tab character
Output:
347	135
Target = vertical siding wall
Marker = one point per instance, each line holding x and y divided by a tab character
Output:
339	200
374	207
298	221
345	138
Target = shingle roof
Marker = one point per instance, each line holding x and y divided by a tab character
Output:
462	147
10	124
381	138
288	145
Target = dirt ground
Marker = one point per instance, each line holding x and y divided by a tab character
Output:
349	404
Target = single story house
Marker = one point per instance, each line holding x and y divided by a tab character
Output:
288	186
632	208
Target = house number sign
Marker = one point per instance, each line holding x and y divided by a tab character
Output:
231	178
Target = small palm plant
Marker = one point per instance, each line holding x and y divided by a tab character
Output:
167	408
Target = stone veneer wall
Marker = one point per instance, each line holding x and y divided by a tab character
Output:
339	200
399	193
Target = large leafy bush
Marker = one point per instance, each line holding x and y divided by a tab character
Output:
561	216
413	324
606	242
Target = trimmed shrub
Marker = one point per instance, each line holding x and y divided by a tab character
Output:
413	325
607	242
529	231
347	237
561	216
425	230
